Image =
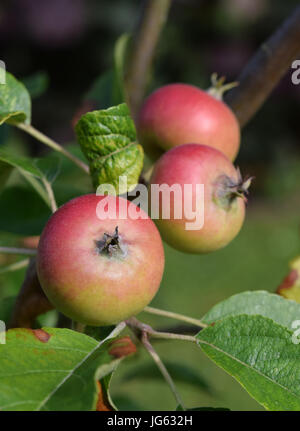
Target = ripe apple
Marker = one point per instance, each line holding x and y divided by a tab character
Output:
223	197
178	114
99	272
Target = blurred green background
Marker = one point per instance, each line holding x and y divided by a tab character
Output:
59	49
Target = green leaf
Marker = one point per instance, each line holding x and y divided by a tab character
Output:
15	103
260	354
108	140
36	84
36	171
53	369
5	171
120	54
105	384
179	372
6	307
22	212
109	89
281	310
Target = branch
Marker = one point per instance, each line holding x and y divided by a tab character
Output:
140	328
152	20
265	69
162	368
31	301
143	332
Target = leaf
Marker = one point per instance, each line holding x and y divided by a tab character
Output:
109	89
266	304
6	308
260	354
290	286
120	54
108	140
53	369
15	103
36	171
178	371
5	171
36	84
104	402
22	212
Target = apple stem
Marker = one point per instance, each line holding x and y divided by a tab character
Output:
109	244
195	322
218	88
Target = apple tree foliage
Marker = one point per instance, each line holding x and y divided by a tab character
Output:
249	335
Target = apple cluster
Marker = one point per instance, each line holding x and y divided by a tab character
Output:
100	272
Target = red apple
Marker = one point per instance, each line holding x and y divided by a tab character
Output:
223	203
178	114
99	272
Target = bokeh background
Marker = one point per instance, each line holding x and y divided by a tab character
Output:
59	49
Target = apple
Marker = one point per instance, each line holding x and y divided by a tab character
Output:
178	114
99	272
223	203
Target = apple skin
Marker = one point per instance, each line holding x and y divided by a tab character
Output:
92	288
178	114
199	164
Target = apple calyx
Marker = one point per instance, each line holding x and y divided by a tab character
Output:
227	189
110	244
218	88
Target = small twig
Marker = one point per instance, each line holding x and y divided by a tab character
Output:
265	69
52	144
50	194
148	346
191	320
139	327
15	266
152	20
16	250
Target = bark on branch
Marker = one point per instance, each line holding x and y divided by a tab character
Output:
31	301
152	20
265	69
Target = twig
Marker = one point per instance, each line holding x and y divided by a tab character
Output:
177	316
50	194
138	328
265	69
16	250
148	346
14	266
152	20
52	144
